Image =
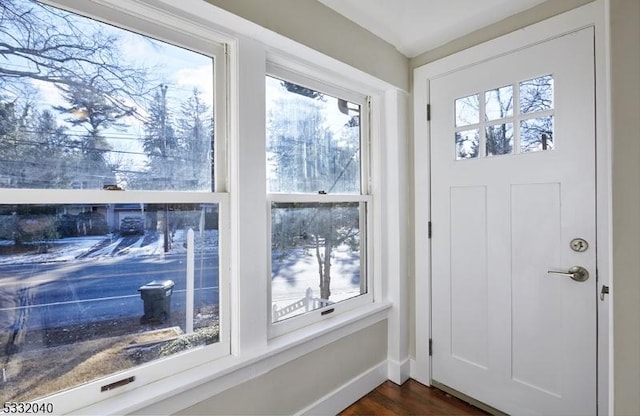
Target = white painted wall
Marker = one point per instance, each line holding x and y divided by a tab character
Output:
625	132
311	23
296	385
518	21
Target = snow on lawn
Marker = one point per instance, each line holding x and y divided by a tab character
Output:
64	249
297	270
294	271
107	246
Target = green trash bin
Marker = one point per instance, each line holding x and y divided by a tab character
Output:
156	296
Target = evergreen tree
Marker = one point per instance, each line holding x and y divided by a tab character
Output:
195	128
9	140
54	156
160	143
95	112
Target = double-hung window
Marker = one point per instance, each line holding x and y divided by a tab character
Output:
113	209
319	202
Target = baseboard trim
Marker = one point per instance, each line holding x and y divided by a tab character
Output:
347	394
399	372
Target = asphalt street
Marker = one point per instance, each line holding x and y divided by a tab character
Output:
56	294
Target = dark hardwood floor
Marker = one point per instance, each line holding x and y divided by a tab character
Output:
412	398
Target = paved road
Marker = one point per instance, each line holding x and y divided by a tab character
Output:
97	289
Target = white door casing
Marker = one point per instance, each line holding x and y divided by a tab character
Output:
504	331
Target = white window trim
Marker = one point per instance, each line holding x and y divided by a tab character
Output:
251	350
281	70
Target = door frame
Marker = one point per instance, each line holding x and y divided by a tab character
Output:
592	14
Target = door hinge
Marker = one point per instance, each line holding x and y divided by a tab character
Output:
430	347
428	112
429	230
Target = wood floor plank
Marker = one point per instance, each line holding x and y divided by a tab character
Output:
412	398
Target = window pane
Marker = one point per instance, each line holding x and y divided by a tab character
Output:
313	141
499	139
536	134
468	110
88	105
536	94
499	103
467	144
95	289
315	256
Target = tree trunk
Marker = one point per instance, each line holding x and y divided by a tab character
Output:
325	289
320	263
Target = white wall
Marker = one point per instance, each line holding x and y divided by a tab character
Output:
625	130
518	21
311	23
295	385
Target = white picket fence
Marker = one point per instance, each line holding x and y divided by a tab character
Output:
309	303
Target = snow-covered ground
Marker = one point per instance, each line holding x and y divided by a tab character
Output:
62	250
95	247
294	271
297	270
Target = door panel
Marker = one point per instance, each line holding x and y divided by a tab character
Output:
537	302
469	340
513	182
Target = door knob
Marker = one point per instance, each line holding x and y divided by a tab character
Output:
577	273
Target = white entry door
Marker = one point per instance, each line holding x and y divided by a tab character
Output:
513	200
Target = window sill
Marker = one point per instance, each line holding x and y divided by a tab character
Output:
207	380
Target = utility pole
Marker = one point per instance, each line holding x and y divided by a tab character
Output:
165	161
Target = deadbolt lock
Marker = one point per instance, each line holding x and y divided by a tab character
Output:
579	245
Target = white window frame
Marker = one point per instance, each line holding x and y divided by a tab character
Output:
281	70
153	22
195	376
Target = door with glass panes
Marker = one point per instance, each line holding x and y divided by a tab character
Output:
513	214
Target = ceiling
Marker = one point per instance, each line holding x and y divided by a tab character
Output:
416	26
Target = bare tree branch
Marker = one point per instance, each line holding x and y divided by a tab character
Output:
43	43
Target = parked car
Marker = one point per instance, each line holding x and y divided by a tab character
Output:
131	225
